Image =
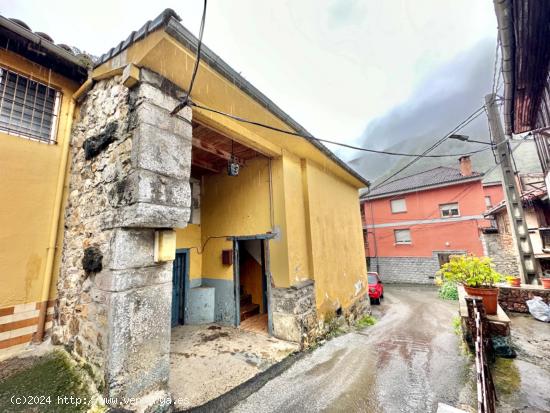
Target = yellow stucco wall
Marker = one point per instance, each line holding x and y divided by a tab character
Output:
314	200
339	267
190	237
28	174
164	55
233	206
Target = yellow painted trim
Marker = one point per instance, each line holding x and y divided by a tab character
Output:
134	54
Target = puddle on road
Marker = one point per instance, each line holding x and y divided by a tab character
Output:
410	373
521	386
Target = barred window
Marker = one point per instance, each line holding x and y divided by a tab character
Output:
27	108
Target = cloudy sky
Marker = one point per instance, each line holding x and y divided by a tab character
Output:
336	66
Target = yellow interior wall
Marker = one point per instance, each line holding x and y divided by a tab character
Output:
251	280
232	206
190	237
339	267
28	174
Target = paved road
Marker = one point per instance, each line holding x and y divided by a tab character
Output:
408	362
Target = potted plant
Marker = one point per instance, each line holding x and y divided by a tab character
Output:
545	280
513	281
478	277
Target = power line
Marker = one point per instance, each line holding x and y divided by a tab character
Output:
462	124
185	101
311	137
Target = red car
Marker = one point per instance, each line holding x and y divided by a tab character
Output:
376	288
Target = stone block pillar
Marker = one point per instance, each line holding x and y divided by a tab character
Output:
129	176
294	312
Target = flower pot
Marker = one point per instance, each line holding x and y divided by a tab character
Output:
489	296
514	282
545	283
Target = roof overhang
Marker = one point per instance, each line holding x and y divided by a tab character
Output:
524	32
169	49
422	188
24	42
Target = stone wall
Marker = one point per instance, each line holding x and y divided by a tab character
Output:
129	175
514	298
500	247
413	270
294	312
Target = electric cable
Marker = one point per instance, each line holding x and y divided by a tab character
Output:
311	137
462	124
185	101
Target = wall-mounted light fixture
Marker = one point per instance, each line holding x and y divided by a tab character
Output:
232	166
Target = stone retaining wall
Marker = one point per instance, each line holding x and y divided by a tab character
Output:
413	270
514	298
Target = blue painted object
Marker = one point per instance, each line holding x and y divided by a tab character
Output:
179	281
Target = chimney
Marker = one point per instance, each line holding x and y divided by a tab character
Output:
465	165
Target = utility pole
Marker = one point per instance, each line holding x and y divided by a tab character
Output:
511	191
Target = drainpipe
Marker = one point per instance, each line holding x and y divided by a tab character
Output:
374	235
58	205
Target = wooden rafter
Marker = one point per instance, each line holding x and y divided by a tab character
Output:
212	149
205	165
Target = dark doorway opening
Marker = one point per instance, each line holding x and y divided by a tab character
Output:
251	284
180	287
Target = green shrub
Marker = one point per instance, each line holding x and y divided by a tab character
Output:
366	321
457	325
448	291
471	271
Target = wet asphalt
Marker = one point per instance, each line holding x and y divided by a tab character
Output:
408	362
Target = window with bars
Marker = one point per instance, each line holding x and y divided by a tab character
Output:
27	108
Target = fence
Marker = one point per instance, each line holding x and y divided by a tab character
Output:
477	324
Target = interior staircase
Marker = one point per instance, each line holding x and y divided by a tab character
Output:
248	308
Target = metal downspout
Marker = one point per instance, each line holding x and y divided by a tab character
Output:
58	204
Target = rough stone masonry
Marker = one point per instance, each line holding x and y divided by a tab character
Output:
130	167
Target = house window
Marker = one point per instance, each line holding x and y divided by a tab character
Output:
488	202
402	236
27	108
449	210
398	205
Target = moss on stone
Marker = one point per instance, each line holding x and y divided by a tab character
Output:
47	386
506	376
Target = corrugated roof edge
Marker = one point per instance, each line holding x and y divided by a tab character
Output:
35	38
478	176
170	21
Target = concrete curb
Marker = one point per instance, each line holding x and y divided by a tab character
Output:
230	399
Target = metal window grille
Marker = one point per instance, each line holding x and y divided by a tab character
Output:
28	108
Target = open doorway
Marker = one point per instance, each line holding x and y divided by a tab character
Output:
251	286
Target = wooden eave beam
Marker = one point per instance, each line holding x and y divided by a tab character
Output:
212	149
205	165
